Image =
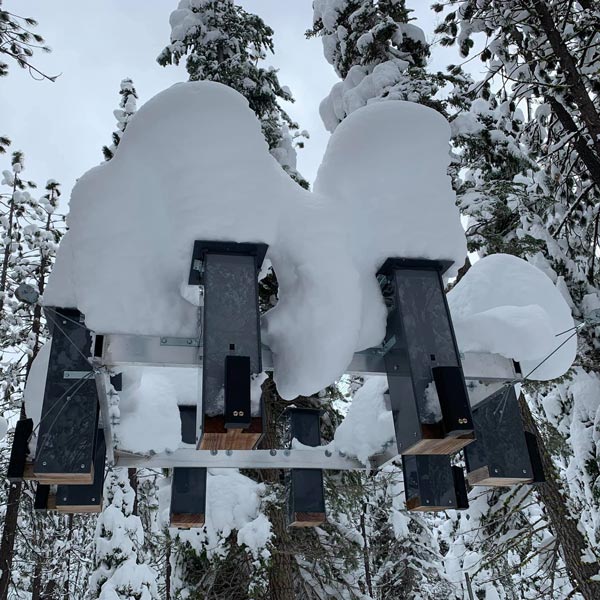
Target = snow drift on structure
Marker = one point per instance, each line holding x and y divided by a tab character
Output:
507	306
193	164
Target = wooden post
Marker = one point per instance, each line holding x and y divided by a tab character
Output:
429	398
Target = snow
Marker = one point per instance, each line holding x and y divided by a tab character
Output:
508	306
3	427
36	384
149	417
193	164
369	425
233	502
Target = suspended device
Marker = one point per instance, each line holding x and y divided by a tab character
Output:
188	484
504	454
306	498
69	420
231	345
431	483
427	388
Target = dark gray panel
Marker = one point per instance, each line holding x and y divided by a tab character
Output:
231	322
429	482
69	418
421	340
500	445
237	392
305	425
42	494
86	495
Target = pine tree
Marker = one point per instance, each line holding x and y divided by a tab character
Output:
541	67
224	43
123	114
376	51
30	234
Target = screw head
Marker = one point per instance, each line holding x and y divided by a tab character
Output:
286	452
93	499
64	322
189	342
328	453
64	499
272	452
524	470
163	340
82	466
229	452
44	463
213	452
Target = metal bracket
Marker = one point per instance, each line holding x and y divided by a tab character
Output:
175	341
76	374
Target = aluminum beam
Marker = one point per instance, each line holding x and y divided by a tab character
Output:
120	350
317	458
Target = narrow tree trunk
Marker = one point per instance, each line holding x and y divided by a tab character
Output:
8	537
133	482
68	557
283	566
366	558
168	569
36	586
571	540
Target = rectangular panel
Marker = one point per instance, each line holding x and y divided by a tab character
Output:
431	414
188	486
429	483
67	433
306	502
237	392
500	455
85	498
230	324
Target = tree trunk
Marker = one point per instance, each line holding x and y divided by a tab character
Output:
132	473
8	537
36	587
571	540
283	567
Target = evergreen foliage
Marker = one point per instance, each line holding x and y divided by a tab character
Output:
127	108
224	43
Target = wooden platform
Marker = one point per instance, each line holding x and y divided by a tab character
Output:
186	521
415	505
216	437
88	509
65	478
482	476
432	443
304	519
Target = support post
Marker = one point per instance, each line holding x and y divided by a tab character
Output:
429	398
432	484
85	498
19	451
228	272
69	421
188	486
306	499
500	456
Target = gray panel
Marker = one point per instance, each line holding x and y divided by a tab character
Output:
429	482
501	444
231	322
69	420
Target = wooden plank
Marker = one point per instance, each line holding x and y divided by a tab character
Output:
216	437
187	521
482	476
445	446
66	478
307	519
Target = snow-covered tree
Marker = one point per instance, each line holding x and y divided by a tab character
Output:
376	51
118	572
529	150
223	42
30	234
127	108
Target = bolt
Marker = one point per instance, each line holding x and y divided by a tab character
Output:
213	452
272	452
328	453
93	499
426	501
64	322
68	398
44	463
83	466
163	340
342	453
524	470
189	342
495	470
286	452
64	499
235	413
396	367
228	452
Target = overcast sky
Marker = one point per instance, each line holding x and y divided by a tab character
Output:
62	126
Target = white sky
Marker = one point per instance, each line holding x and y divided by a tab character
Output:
62	126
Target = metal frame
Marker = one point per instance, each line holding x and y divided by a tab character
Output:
119	350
